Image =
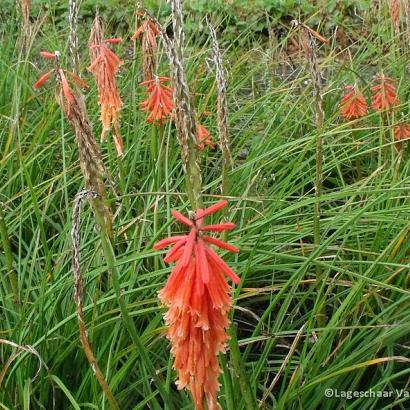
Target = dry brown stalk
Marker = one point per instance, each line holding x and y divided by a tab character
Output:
25	12
222	118
395	14
96	37
184	108
72	22
308	42
407	11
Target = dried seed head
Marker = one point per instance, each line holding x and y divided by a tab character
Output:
72	21
395	14
96	37
184	109
309	46
25	12
407	11
91	163
224	138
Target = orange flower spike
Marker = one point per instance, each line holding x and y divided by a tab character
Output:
159	102
204	138
105	67
353	104
384	94
198	300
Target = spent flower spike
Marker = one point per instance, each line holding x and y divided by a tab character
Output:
159	103
198	299
353	105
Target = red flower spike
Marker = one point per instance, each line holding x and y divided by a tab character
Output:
47	54
198	300
384	94
62	80
159	102
45	77
353	104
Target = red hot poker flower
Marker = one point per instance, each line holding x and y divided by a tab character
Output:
159	102
204	138
105	67
384	94
353	104
198	300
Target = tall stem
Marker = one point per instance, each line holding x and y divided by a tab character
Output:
310	51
